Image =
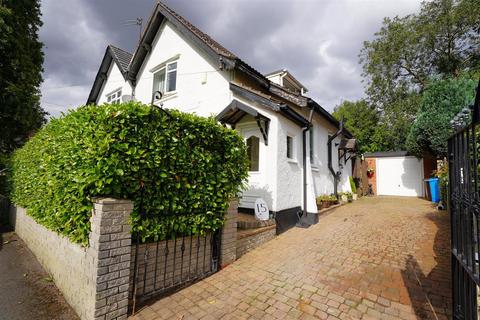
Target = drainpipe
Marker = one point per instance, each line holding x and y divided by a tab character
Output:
336	175
304	156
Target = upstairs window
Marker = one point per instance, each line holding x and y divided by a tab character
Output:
115	97
289	147
165	79
253	152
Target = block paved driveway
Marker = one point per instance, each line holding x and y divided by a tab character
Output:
377	258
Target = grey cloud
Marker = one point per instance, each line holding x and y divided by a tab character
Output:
318	41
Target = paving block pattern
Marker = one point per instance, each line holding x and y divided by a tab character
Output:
376	258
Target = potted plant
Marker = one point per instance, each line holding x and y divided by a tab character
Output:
370	172
333	200
349	196
323	201
343	196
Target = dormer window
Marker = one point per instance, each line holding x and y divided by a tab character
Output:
286	80
115	97
165	79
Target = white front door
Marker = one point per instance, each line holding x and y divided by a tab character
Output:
400	176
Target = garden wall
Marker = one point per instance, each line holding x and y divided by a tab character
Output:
250	239
97	281
93	280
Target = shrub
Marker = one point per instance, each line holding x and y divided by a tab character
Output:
442	175
441	100
353	185
189	166
323	197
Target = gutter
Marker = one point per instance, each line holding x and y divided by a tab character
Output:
336	175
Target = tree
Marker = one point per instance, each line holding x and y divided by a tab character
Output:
21	61
442	99
362	120
443	39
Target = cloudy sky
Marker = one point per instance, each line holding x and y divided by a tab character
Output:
317	40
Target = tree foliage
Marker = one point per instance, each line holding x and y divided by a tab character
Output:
362	120
21	61
189	166
442	99
443	39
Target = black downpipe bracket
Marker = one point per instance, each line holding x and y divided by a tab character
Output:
336	175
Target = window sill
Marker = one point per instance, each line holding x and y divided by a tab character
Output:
315	168
293	161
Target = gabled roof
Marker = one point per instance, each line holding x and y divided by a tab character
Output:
122	59
236	110
226	59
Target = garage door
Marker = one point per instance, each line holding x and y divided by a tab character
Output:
402	176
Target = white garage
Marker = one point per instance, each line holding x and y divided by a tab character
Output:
397	174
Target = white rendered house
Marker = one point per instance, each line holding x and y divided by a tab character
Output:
287	133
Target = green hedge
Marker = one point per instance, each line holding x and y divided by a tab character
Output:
190	167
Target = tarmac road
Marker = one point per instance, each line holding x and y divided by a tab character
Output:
26	290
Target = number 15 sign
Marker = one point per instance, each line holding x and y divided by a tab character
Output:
261	210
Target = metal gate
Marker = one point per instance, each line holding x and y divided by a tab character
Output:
464	205
162	267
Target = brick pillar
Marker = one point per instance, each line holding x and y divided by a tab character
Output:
110	246
228	246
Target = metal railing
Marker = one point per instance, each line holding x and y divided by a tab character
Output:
464	205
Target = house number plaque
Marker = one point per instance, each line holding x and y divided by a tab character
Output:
261	210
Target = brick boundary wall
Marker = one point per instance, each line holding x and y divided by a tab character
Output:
247	240
93	279
96	280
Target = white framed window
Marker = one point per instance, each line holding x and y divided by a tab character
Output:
165	78
114	97
253	153
290	148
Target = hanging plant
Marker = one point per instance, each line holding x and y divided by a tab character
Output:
370	172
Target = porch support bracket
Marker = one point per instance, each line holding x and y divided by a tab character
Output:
265	128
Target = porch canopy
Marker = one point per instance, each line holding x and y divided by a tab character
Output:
236	110
347	146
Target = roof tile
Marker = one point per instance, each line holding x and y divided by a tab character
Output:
122	57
